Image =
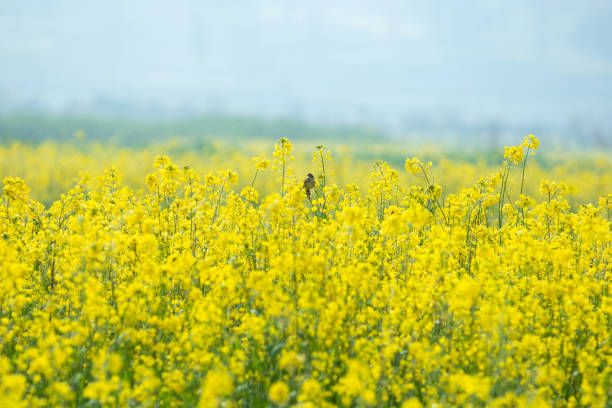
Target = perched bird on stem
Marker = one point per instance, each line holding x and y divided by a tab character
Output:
309	184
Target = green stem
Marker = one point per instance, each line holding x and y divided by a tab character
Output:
283	180
502	193
524	164
324	180
254	177
437	201
323	167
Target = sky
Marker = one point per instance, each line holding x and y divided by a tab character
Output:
546	62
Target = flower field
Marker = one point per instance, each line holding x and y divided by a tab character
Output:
233	288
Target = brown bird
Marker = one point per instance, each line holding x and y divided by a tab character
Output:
309	184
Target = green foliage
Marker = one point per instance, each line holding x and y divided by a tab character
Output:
142	132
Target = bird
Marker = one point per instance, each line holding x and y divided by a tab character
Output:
309	184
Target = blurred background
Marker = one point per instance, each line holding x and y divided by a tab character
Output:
89	85
476	74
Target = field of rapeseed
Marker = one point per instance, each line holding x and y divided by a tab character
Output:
51	168
208	290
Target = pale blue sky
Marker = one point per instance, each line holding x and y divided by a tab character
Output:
517	61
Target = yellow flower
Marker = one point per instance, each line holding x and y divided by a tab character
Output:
531	142
290	360
514	154
414	165
16	189
279	393
250	194
261	163
412	403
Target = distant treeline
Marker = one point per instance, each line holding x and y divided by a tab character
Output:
30	128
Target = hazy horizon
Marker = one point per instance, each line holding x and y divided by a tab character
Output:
522	62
